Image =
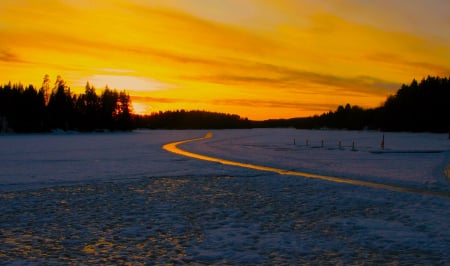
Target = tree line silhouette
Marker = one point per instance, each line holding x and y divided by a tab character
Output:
419	106
27	109
181	119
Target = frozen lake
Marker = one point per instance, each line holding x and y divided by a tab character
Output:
120	198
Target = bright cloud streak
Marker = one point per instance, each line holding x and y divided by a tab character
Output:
128	83
257	58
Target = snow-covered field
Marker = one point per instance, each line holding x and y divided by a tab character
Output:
120	198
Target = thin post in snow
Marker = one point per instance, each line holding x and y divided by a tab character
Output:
382	142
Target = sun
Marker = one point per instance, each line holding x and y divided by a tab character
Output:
141	108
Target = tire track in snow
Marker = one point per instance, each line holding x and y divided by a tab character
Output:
173	147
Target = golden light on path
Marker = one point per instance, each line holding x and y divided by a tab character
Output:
173	147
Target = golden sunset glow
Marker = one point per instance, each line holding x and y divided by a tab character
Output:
256	58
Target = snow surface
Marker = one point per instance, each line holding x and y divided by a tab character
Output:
119	198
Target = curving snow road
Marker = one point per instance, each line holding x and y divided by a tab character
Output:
173	147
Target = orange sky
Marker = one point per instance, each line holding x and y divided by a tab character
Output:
256	58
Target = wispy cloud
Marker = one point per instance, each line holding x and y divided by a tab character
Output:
275	104
301	81
9	57
288	56
158	100
402	63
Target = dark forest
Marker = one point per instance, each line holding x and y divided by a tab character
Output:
26	109
419	106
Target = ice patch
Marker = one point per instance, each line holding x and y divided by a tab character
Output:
121	199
